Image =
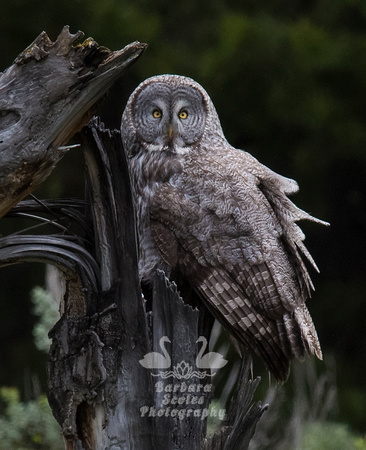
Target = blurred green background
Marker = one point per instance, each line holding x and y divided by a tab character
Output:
288	79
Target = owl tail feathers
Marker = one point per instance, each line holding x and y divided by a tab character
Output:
296	337
276	342
279	368
234	311
308	333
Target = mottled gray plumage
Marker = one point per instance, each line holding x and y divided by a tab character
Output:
220	218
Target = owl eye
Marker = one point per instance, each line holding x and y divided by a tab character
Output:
157	113
183	114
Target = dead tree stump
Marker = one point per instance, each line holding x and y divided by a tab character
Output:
47	95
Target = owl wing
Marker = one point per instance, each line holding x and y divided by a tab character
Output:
227	225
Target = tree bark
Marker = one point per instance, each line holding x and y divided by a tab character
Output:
47	95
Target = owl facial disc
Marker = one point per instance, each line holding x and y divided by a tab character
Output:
168	117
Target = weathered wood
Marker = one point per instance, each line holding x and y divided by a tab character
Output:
183	391
243	414
47	95
102	408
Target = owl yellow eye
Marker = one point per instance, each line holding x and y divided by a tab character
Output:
183	114
157	113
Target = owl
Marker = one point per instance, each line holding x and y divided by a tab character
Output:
220	219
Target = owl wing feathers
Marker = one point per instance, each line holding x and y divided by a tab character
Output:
226	223
227	302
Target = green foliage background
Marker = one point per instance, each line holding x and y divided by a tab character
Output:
288	79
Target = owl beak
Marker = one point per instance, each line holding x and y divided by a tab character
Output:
170	133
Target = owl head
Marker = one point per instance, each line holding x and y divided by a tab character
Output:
168	113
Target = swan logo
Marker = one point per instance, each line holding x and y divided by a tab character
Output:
183	370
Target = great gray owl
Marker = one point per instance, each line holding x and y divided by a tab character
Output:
220	218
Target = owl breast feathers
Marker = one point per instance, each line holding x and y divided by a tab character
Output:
221	219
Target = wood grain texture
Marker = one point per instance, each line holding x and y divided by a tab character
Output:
47	95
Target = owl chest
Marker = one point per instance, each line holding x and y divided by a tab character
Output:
149	257
149	172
